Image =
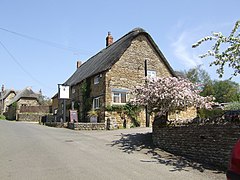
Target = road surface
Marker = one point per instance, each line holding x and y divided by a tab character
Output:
31	151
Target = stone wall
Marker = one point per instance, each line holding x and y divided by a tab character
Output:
86	126
129	72
210	144
36	109
31	117
8	100
56	124
181	116
27	102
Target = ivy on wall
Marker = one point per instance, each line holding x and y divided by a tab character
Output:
132	111
86	100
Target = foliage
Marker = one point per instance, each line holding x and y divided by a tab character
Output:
117	108
210	113
44	100
231	54
76	105
14	104
130	110
168	94
86	100
223	91
2	117
92	113
232	106
198	75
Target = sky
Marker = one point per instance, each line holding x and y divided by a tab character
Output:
41	41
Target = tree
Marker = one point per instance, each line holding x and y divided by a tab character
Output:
198	75
224	91
230	55
232	106
163	95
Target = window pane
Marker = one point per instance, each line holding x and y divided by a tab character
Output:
151	74
96	79
123	97
96	103
116	97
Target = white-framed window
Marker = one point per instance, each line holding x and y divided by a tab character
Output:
96	103
119	97
97	78
151	74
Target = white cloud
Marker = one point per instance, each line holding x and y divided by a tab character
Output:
183	51
181	42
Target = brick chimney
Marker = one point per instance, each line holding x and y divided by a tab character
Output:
109	39
79	64
2	88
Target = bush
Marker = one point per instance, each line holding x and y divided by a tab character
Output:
2	117
210	114
232	106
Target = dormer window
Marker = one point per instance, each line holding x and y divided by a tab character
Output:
97	78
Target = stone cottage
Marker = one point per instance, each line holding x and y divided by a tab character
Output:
6	95
104	81
26	97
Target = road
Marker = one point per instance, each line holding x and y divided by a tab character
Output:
31	151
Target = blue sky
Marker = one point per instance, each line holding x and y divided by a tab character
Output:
79	29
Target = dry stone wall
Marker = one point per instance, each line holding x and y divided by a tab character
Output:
87	126
210	144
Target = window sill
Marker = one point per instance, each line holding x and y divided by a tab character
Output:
118	103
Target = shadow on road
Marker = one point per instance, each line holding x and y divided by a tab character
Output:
142	142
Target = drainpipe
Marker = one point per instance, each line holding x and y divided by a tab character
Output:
146	108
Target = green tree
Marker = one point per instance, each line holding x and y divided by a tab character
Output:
44	100
223	91
207	90
197	75
226	50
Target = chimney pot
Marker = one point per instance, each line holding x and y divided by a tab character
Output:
79	64
109	39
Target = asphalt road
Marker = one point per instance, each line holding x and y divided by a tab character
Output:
34	152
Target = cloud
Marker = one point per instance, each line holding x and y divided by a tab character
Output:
183	51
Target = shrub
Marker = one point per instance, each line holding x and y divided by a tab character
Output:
2	117
210	113
232	106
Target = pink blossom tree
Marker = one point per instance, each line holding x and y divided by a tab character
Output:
168	94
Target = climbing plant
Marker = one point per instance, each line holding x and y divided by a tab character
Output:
85	91
132	111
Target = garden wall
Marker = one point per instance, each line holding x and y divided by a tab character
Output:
36	109
87	126
31	117
210	143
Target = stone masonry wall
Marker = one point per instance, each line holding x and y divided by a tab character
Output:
87	126
129	71
189	113
27	102
8	100
31	117
211	144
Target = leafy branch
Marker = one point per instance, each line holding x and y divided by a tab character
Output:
229	56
